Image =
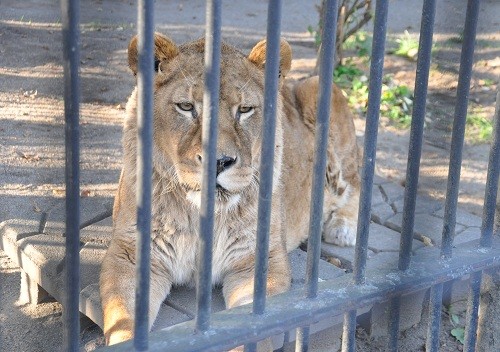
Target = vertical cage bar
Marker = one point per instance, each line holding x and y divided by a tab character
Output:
393	323
417	131
349	332
472	312
209	162
370	146
436	299
144	170
267	154
302	340
71	59
267	158
491	195
369	156
457	138
327	58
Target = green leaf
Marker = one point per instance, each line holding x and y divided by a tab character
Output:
455	318
459	334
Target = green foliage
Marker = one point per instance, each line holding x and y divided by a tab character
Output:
361	42
458	39
315	34
487	82
459	334
407	46
458	331
344	75
478	128
396	100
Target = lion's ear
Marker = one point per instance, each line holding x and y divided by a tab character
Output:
258	56
165	50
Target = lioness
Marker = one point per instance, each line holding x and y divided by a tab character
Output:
177	156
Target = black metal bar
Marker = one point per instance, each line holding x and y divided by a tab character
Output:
327	58
145	24
288	310
70	16
436	300
416	132
370	147
491	195
302	339
209	160
349	332
267	154
472	312
457	138
267	159
369	156
393	323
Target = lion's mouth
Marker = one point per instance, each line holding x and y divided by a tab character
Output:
219	190
223	197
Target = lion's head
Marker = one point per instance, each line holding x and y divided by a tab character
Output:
178	115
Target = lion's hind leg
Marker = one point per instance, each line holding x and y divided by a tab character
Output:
340	209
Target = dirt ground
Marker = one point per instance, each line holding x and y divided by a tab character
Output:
32	123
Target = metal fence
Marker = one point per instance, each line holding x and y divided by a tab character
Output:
273	315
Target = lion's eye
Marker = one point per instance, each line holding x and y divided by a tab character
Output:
242	109
185	106
187	109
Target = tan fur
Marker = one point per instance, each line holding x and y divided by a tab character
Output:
177	160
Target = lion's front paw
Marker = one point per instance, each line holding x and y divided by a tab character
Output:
340	233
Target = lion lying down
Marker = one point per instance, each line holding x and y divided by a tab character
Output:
177	155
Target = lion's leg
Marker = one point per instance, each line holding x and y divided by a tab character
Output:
340	209
117	286
340	217
238	285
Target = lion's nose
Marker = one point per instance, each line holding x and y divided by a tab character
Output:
225	162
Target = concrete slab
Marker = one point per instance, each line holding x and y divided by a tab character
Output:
427	227
31	292
381	212
423	205
469	234
298	262
392	191
343	254
92	209
99	232
379	180
410	314
377	196
41	256
12	231
463	218
383	239
327	340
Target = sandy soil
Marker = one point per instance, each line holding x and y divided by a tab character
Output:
32	123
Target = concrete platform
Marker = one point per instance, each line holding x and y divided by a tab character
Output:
37	245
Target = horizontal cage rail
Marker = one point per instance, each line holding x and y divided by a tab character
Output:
289	310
